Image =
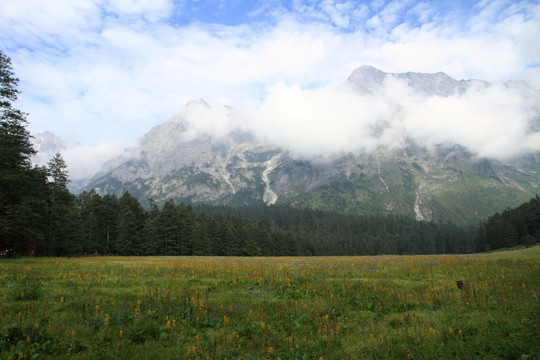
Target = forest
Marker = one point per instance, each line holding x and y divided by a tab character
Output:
39	216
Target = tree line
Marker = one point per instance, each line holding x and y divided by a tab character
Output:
321	232
512	227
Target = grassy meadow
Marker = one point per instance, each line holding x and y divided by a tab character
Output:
383	307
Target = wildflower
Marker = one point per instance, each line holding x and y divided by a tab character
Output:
120	334
409	355
36	326
62	300
72	332
450	331
262	325
460	333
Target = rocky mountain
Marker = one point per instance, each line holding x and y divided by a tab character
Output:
445	183
367	79
47	145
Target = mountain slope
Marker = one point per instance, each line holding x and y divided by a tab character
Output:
444	182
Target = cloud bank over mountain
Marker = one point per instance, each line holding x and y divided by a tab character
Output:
498	121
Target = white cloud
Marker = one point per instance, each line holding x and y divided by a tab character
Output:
491	122
216	122
94	71
83	160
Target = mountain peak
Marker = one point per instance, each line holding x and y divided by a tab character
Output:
367	79
197	103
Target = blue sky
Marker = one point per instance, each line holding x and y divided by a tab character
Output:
104	72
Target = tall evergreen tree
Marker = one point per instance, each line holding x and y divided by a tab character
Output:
169	230
21	215
64	228
130	226
150	245
109	214
92	238
201	236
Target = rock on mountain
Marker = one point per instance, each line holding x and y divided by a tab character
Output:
47	145
446	183
367	79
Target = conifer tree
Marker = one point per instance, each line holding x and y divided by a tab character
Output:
22	193
64	226
150	244
130	226
169	230
90	205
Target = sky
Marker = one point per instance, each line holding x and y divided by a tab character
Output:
102	73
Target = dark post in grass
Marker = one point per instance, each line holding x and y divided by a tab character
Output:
460	284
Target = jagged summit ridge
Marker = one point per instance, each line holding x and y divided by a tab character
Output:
368	79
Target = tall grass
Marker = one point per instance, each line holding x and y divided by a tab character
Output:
386	307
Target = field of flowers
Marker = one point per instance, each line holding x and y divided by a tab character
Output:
387	307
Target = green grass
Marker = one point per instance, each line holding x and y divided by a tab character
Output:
386	307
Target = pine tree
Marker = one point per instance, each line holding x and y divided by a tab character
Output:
64	227
109	215
150	245
169	230
200	237
21	215
90	205
130	226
